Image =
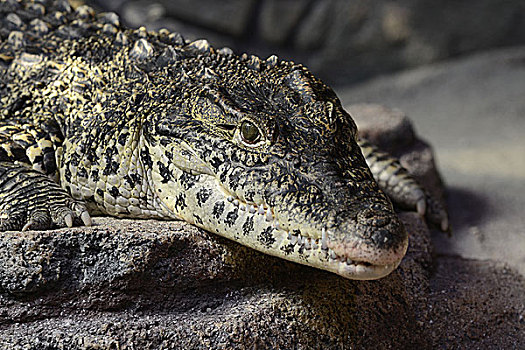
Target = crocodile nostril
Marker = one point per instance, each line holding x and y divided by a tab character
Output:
374	218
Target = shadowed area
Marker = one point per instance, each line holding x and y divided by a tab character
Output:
472	112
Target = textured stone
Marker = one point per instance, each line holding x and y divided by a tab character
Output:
387	128
168	281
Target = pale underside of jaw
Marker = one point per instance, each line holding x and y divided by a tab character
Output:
311	250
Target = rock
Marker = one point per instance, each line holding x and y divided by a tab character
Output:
148	283
483	298
384	127
471	110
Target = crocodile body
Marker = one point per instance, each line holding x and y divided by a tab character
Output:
96	118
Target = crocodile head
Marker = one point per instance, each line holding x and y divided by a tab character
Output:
262	152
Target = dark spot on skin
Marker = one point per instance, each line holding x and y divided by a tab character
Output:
109	151
247	228
92	157
203	195
67	174
234	182
146	158
288	249
38	159
132	179
114	192
49	163
266	237
166	173
138	98
249	195
218	209
216	163
198	219
111	165
100	192
19	154
94	175
180	201
231	217
74	159
82	172
187	180
234	157
122	138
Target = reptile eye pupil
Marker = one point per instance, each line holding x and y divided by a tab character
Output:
249	132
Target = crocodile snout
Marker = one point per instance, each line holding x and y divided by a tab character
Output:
374	218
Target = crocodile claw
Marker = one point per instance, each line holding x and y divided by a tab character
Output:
86	218
444	224
436	213
421	206
68	219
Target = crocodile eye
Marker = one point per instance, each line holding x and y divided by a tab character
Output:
249	132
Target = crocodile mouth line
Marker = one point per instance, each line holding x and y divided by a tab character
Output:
316	249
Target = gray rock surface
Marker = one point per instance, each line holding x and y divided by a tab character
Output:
131	284
342	41
473	112
167	284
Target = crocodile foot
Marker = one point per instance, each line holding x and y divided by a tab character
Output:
29	200
402	188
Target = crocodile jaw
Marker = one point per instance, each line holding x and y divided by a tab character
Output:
257	227
359	262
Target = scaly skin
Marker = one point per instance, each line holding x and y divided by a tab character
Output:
137	124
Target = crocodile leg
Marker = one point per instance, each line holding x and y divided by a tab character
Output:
401	187
30	196
31	200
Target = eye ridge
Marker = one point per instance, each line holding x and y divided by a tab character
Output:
227	127
250	133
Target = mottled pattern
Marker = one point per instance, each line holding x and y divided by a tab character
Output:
138	124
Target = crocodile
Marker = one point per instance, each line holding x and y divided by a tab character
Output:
100	119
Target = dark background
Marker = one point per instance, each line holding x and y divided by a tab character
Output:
342	41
